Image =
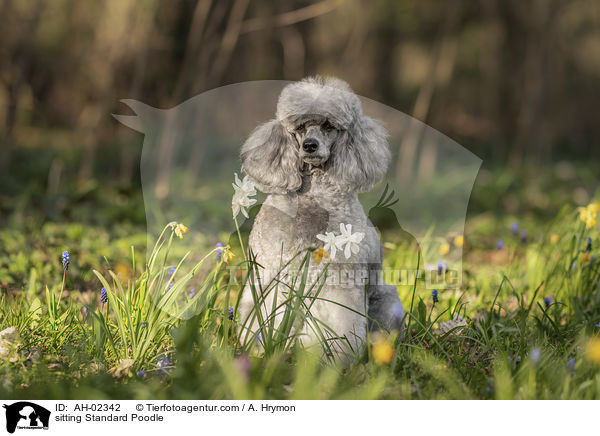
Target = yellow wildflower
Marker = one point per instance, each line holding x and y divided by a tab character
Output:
444	248
585	257
228	254
553	238
180	229
383	352
588	214
459	241
592	350
319	254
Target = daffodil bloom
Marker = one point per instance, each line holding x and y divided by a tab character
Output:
244	189
330	246
459	241
383	352
180	229
553	238
348	240
444	248
319	254
585	257
592	350
228	254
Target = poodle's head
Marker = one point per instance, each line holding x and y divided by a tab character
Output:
319	124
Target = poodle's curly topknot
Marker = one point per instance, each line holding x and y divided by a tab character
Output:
326	96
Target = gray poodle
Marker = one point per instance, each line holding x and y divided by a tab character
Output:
313	159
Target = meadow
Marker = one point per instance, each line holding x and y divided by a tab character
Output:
85	313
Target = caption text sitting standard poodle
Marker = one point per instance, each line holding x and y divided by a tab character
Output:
313	159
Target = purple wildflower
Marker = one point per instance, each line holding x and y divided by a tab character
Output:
65	260
524	236
499	244
442	267
220	250
103	296
164	364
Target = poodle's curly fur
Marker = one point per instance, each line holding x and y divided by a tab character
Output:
313	193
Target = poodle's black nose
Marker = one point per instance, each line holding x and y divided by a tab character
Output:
310	145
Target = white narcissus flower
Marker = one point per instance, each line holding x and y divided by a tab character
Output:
329	239
244	186
349	241
241	200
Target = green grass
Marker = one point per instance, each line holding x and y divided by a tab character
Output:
515	344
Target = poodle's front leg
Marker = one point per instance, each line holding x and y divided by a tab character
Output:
338	322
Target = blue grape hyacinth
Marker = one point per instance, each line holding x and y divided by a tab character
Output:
103	296
65	260
434	295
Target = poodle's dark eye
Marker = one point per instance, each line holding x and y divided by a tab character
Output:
300	128
327	126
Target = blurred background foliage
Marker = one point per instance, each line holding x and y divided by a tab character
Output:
514	82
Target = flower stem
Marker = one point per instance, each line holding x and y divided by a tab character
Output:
237	228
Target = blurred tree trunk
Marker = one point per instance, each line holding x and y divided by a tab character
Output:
293	53
144	26
492	83
412	136
108	49
20	70
444	70
533	87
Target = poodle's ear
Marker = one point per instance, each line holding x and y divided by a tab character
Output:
271	159
361	156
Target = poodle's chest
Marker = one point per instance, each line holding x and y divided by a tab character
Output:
299	228
292	225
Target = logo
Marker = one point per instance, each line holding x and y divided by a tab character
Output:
26	415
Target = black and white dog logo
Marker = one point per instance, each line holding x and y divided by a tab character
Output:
26	415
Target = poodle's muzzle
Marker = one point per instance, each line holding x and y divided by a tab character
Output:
315	145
